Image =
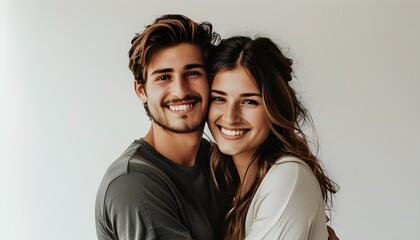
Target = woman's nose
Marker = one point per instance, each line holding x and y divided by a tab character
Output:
232	114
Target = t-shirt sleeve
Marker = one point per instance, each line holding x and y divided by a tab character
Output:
285	205
142	206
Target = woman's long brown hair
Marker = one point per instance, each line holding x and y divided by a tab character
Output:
272	72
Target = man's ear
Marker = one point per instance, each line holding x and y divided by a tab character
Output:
141	93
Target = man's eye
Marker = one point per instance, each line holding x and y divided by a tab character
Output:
193	73
163	78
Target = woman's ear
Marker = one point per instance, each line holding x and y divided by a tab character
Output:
141	93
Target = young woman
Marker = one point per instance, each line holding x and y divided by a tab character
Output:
262	159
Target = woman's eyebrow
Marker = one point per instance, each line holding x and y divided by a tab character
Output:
218	92
241	95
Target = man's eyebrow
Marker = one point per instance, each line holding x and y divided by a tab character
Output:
168	70
162	70
194	65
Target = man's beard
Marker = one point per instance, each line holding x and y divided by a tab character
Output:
161	119
185	129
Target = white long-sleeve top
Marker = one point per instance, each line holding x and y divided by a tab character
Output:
287	205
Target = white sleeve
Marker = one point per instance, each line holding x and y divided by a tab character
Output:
287	205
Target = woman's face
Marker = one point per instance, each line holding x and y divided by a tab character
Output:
237	118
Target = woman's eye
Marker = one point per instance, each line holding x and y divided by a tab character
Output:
217	99
250	101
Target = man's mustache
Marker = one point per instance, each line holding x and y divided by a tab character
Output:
185	99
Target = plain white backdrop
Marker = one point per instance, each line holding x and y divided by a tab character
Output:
68	108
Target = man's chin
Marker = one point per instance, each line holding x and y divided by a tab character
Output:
194	128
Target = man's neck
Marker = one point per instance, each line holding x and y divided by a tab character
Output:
179	148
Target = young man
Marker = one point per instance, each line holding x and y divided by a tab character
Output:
160	187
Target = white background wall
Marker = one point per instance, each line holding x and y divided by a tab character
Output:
68	109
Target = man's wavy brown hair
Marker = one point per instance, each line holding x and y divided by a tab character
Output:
166	31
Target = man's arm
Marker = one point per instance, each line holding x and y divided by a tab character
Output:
141	206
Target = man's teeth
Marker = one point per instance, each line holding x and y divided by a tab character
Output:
180	107
232	132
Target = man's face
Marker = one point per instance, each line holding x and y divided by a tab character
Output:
176	89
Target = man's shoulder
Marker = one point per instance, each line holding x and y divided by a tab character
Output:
126	191
137	159
120	166
129	175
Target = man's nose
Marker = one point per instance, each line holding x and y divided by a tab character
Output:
181	87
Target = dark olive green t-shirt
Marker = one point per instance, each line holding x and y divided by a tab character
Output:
144	195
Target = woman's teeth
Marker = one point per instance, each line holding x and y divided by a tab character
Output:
232	132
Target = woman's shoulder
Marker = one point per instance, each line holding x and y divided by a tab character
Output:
290	159
291	180
291	171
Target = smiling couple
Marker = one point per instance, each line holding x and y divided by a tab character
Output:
262	181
